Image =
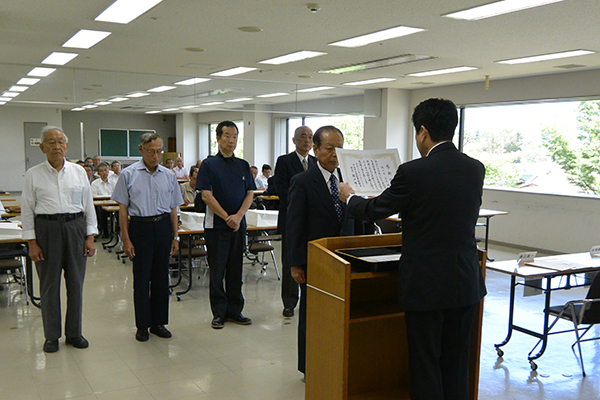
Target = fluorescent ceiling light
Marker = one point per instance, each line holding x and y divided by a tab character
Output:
442	71
152	112
41	71
273	95
118	99
103	103
369	81
233	71
161	89
170	109
77	109
498	8
10	94
2	103
315	89
18	88
138	94
84	39
125	11
288	58
380	36
58	58
374	64
238	99
90	106
546	57
188	107
192	81
212	103
28	81
5	98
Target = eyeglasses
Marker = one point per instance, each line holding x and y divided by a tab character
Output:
53	143
154	152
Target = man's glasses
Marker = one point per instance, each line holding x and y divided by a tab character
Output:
154	152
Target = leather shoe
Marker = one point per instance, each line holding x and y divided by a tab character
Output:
142	335
78	342
51	346
160	331
239	319
217	323
288	312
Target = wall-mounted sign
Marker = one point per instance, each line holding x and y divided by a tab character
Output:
35	141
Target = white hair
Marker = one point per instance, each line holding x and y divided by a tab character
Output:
49	128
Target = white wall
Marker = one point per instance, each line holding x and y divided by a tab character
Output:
12	142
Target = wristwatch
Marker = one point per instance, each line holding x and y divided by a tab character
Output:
177	238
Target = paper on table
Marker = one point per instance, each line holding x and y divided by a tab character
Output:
368	172
557	264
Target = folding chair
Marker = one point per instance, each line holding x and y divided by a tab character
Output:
262	244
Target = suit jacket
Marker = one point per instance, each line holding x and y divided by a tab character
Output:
438	198
311	215
286	167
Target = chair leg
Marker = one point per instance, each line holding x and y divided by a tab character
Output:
276	267
578	343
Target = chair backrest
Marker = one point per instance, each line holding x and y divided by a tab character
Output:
593	313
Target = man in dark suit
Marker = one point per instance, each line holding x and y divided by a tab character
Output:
286	167
314	211
440	280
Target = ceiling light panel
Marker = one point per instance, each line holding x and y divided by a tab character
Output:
138	94
90	106
10	94
292	57
273	95
28	81
442	71
152	112
315	89
192	81
118	99
160	89
238	99
18	88
58	58
498	8
375	37
546	57
77	109
384	62
212	103
85	38
103	103
125	11
233	71
370	81
5	98
41	71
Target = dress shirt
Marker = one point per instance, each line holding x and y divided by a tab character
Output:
188	192
101	188
327	176
181	172
261	181
147	194
1	208
48	191
303	159
113	178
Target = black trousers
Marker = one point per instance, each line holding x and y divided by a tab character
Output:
302	330
289	287
152	245
438	353
225	250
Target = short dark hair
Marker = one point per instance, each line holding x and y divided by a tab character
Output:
112	164
86	166
265	167
439	116
318	136
102	164
224	124
88	158
254	166
192	170
149	137
80	163
169	159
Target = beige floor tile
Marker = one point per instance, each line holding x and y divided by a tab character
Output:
112	382
136	393
175	389
149	376
66	389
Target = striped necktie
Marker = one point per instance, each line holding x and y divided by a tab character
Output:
304	164
335	195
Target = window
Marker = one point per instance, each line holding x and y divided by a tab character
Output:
214	147
551	147
352	126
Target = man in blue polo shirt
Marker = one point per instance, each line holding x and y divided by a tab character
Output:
227	188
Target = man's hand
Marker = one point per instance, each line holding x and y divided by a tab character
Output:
299	274
174	247
89	248
128	249
35	251
233	221
345	191
186	202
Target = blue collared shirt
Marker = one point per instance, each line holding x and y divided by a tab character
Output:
147	194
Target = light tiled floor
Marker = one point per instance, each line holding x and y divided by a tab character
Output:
241	362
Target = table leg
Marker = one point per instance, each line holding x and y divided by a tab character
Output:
487	235
29	279
544	336
511	314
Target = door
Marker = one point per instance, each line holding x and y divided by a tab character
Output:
33	138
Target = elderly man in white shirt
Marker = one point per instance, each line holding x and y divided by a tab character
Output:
103	187
59	224
180	171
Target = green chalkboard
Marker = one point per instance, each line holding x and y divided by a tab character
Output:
134	141
113	142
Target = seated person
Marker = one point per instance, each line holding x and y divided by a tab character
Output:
102	187
170	163
262	182
188	189
115	171
89	170
180	170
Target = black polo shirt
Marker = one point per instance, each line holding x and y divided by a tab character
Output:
229	179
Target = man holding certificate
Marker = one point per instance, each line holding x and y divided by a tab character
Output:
440	281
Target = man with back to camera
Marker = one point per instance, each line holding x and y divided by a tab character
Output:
59	223
150	195
440	280
286	167
314	211
227	189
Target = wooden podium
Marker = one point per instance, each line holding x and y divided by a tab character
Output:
356	337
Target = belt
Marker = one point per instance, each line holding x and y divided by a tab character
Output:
154	218
60	217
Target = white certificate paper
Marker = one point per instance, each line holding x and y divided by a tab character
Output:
368	172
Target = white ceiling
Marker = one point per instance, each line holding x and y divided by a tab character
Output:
150	51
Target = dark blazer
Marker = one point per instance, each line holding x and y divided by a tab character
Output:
438	198
286	167
311	215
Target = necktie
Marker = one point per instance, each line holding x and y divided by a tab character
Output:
304	164
335	195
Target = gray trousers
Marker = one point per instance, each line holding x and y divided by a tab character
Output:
62	244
